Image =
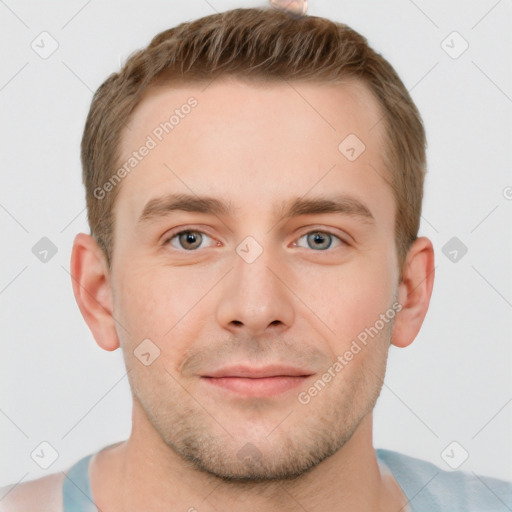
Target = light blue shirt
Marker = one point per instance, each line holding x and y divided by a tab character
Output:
427	487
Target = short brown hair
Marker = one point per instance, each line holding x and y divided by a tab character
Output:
256	44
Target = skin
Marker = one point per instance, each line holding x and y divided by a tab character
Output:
256	145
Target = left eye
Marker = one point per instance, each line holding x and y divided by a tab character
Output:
320	239
191	240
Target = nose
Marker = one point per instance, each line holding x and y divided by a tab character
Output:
255	299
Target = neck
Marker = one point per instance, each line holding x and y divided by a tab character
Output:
144	473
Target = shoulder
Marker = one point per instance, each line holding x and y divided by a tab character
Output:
431	488
45	493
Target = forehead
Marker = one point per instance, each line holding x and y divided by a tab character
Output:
254	144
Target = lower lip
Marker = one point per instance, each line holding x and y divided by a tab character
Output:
264	387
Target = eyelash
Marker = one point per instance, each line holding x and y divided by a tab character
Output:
322	231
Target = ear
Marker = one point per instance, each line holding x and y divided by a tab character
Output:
92	289
414	292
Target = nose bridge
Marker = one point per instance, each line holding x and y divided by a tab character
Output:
254	297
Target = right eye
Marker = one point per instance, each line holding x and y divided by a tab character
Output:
188	240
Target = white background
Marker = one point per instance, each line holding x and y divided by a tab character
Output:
452	384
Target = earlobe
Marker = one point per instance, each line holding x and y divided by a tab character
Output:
92	289
414	292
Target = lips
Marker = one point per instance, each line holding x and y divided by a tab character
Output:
267	381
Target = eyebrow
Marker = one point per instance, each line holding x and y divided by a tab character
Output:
159	207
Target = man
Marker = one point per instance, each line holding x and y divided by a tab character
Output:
254	184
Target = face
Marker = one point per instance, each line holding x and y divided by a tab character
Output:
271	307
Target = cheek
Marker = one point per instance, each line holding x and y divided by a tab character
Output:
161	305
142	307
353	297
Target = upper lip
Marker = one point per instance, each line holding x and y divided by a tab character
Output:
253	372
